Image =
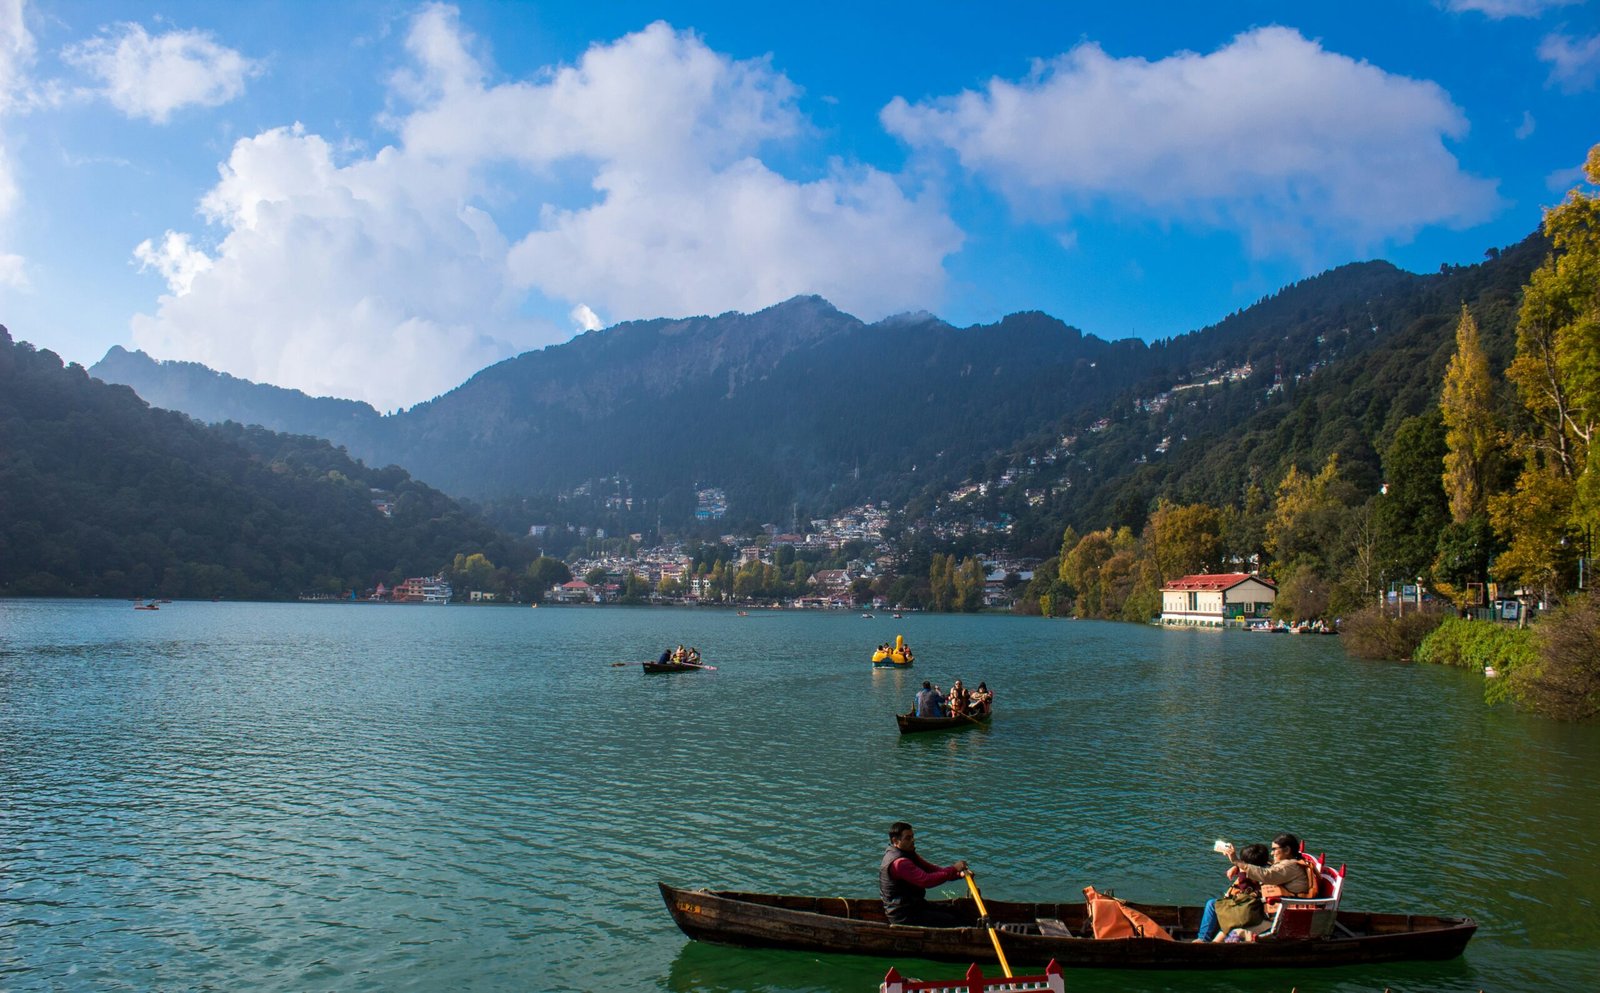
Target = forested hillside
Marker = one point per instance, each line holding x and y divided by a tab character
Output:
105	496
801	409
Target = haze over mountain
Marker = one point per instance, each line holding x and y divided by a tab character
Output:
802	408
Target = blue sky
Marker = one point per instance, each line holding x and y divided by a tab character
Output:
374	199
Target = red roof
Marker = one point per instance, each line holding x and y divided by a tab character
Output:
1214	581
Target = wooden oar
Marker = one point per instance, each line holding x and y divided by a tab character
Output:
972	884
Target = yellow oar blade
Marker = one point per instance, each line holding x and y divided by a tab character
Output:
972	884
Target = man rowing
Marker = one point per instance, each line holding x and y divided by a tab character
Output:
904	878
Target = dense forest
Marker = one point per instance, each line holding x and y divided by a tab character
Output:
800	410
106	496
1463	464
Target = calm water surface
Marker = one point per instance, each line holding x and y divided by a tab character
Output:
339	797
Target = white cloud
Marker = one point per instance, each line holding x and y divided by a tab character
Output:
1527	127
1497	10
16	54
151	77
175	259
586	319
1300	149
388	278
372	280
1574	62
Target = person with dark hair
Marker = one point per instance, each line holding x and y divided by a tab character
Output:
982	699
904	878
956	702
1241	894
930	703
1288	875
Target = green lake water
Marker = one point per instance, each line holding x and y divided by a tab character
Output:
360	798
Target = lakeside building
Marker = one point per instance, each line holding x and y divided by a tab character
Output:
1212	600
423	589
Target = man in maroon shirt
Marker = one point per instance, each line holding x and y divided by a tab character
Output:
904	878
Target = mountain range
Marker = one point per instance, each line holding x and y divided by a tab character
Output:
107	496
801	409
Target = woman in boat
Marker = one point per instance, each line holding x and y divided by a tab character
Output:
904	878
957	702
982	699
694	656
1288	875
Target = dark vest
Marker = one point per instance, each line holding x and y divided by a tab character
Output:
899	896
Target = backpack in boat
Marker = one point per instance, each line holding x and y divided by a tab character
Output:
1239	908
1112	918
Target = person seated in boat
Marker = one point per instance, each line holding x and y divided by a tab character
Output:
957	701
694	656
1240	905
1289	874
666	656
679	654
904	878
982	700
928	702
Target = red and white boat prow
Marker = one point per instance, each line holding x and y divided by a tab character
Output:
976	983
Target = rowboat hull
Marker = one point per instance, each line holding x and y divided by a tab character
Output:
855	926
914	725
658	667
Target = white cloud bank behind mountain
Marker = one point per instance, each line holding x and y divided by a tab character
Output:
392	278
632	184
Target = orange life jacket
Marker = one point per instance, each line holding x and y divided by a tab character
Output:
1271	893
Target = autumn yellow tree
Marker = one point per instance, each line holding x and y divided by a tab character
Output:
1184	539
1471	436
1557	375
1102	568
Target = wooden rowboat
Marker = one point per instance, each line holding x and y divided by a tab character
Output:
652	667
913	725
1035	933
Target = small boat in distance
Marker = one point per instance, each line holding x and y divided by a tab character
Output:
912	725
152	605
891	656
658	667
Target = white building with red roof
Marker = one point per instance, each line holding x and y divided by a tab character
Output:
1213	599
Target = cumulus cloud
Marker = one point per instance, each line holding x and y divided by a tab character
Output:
1296	147
1574	62
688	219
175	259
393	277
586	319
152	77
16	53
1497	10
371	280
